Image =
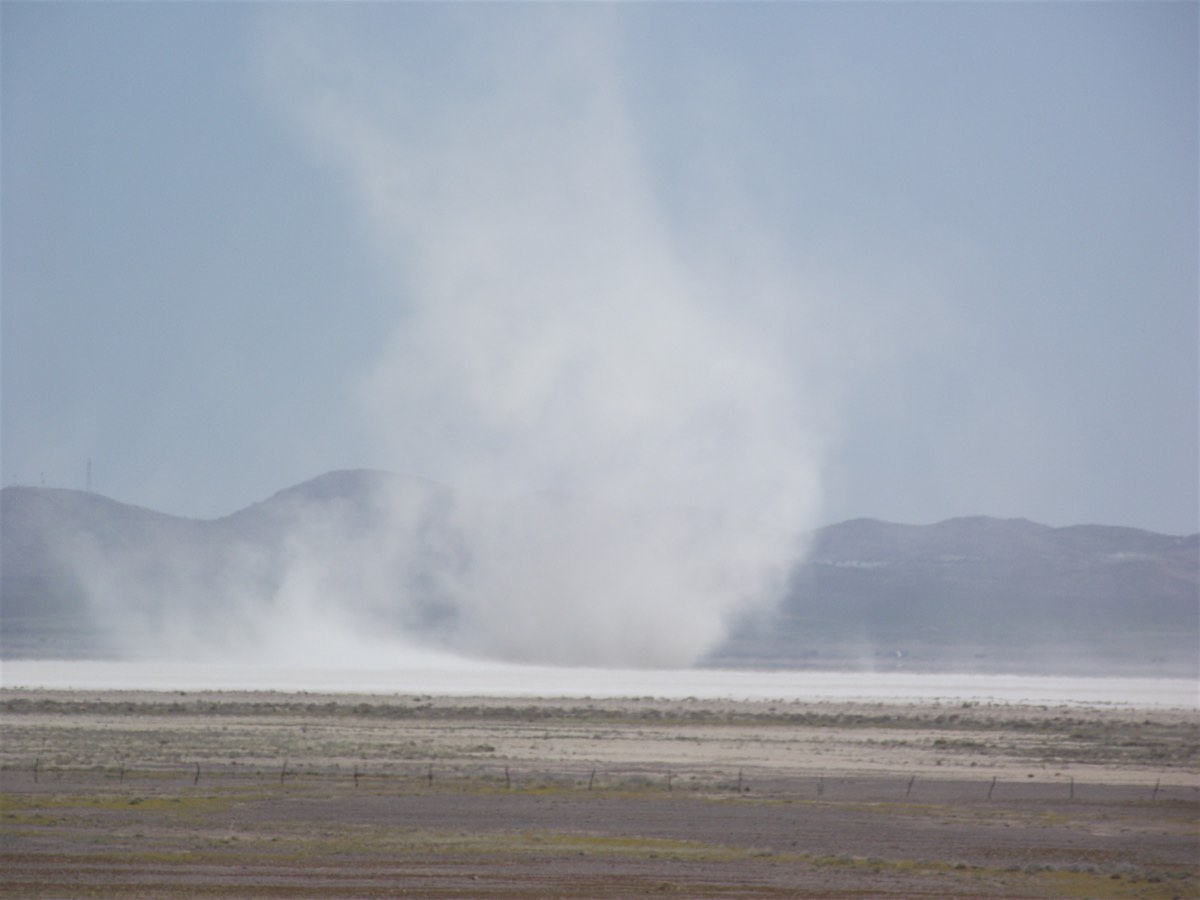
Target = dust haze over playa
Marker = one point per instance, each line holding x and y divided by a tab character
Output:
357	570
634	335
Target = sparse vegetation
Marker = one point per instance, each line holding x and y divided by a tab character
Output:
592	798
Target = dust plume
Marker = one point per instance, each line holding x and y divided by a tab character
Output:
616	392
606	412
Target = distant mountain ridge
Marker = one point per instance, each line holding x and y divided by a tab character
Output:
965	594
985	594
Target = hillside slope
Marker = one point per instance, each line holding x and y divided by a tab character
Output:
984	594
85	576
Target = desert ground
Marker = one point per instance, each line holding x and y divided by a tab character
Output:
169	794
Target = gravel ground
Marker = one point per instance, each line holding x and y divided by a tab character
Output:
274	795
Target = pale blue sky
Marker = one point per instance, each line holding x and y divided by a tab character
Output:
963	236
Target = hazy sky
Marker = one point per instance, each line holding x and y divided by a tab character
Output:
911	260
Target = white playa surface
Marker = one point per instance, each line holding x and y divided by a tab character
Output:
452	677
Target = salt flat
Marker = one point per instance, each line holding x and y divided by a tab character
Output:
450	676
